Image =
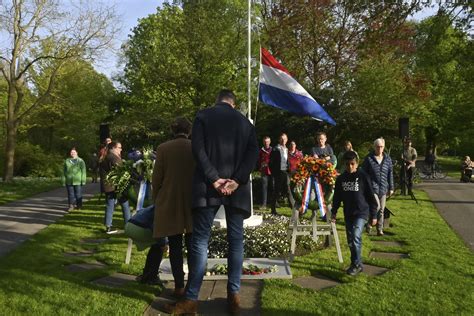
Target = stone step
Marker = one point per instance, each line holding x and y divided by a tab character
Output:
95	241
388	255
115	280
80	253
316	283
374	270
81	267
385	243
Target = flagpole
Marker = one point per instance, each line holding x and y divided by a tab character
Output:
249	60
249	80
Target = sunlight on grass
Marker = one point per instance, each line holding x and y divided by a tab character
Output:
21	188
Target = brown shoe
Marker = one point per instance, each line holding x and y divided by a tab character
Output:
178	293
183	307
233	301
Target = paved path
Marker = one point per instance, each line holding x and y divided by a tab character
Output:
19	220
455	202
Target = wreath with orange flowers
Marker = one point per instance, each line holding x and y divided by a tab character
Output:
322	169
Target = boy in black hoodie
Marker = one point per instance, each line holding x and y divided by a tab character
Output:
353	188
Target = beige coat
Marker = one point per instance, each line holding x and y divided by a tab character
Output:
172	188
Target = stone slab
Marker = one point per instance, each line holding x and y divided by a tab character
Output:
115	280
374	270
93	241
81	253
315	283
385	243
284	270
388	255
81	267
213	298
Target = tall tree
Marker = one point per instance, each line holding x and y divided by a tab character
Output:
176	61
39	31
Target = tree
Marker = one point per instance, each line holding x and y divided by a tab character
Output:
39	32
176	61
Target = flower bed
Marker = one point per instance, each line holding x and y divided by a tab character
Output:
269	240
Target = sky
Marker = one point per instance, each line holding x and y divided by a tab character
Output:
132	10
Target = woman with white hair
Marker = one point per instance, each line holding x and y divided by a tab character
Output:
378	165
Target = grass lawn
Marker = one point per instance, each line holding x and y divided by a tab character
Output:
436	279
21	188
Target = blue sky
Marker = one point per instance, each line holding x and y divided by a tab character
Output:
132	10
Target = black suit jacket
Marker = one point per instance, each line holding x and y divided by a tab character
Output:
275	161
224	146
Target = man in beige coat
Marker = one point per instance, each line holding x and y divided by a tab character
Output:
172	189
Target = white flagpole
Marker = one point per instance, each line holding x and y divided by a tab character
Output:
249	81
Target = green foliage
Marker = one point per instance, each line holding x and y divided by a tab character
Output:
33	161
176	61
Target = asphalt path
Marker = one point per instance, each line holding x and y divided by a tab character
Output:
455	203
19	220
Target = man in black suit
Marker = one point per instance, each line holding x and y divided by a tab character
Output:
279	168
225	149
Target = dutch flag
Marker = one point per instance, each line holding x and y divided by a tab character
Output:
279	89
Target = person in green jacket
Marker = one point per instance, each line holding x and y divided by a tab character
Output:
74	178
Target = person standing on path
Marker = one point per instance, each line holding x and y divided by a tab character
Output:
323	150
225	149
172	194
74	177
409	156
378	165
264	168
113	158
279	168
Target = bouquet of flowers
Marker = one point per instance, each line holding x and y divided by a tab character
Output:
322	169
131	172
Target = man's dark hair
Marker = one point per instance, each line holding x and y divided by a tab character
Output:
226	94
112	145
181	125
350	155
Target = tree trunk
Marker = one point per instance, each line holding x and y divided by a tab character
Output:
12	128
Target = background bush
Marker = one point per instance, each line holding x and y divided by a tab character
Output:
32	160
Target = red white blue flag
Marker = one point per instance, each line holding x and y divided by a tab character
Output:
279	89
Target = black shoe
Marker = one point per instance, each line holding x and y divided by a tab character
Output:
110	230
274	212
149	281
354	270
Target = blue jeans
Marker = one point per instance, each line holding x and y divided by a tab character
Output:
110	198
202	223
74	195
354	227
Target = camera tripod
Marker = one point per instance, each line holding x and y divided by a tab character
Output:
404	185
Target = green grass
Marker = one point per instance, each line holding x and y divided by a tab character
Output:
35	280
21	188
436	279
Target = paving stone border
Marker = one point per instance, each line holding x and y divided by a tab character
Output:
372	270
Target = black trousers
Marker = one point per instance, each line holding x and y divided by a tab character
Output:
406	179
176	257
153	261
282	186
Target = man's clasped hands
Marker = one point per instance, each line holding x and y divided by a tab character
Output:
225	186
